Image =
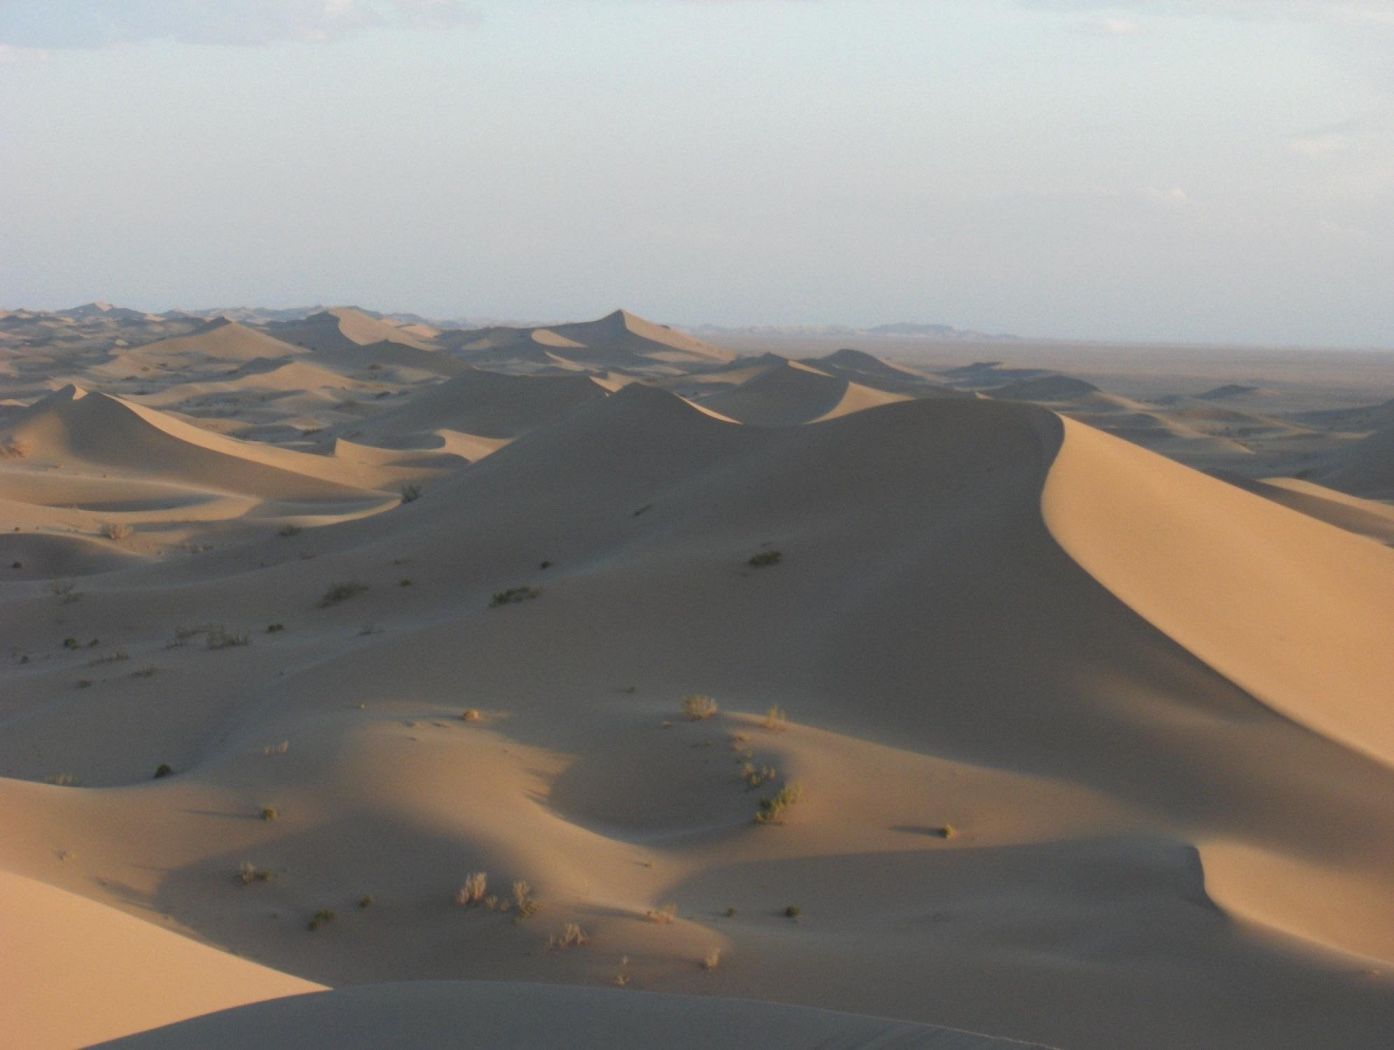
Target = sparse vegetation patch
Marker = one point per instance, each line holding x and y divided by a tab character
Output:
765	559
698	706
341	592
772	809
514	595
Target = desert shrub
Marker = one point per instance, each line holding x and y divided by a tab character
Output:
289	530
70	643
162	770
148	671
341	592
622	978
712	959
470	714
62	780
776	718
275	628
84	683
524	903
249	873
756	776
473	889
64	590
219	637
269	813
663	914
323	917
793	911
276	749
514	595
411	493
112	657
571	936
772	809
115	530
365	901
765	559
945	831
698	706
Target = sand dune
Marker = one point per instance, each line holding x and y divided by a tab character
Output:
76	972
1091	746
431	1014
342	328
616	340
219	342
791	393
1364	469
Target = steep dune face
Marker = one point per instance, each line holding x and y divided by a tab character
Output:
104	431
75	972
1297	613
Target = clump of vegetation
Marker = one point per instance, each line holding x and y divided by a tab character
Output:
793	911
163	770
70	643
571	936
268	813
772	809
757	776
473	889
219	637
249	873
765	559
365	901
64	591
276	749
622	978
945	831
404	582
712	959
289	530
84	683
411	493
776	718
275	628
545	564
524	903
698	706
470	714
62	780
115	530
323	917
663	914
342	592
148	671
514	595
113	657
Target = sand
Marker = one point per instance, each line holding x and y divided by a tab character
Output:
1090	747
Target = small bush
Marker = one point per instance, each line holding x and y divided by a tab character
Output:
162	770
84	683
514	595
793	911
289	530
70	643
473	889
772	809
219	637
64	591
945	831
765	559
149	671
249	873
622	978
115	530
571	936
698	707
323	917
757	776
470	714
276	749
275	628
411	493
524	903
365	901
712	959
113	657
663	914
776	718
341	592
62	780
268	813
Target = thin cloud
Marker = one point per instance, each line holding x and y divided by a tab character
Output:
99	23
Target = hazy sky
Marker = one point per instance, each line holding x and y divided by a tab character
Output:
1202	170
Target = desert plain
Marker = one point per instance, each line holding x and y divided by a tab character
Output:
373	681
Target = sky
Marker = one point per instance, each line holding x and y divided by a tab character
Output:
1168	170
